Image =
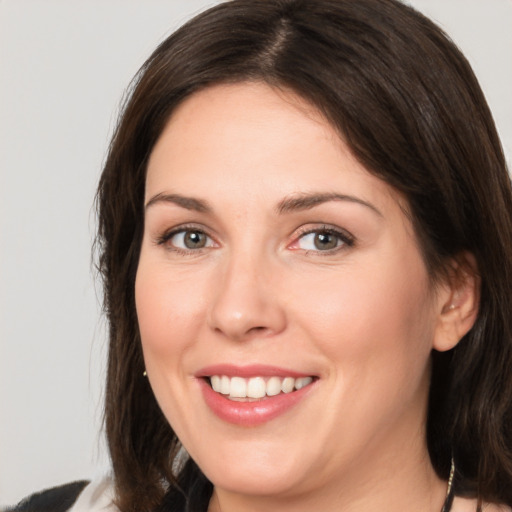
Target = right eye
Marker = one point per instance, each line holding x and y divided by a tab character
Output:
187	239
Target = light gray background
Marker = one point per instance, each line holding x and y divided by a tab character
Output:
63	68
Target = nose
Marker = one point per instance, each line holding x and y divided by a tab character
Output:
246	304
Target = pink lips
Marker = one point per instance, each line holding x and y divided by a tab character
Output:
249	414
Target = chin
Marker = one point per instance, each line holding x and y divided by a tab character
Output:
256	481
262	468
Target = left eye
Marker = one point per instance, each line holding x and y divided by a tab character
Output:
190	239
320	241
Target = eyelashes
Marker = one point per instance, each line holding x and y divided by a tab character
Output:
325	239
183	239
194	240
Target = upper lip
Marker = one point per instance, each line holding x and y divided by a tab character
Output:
247	371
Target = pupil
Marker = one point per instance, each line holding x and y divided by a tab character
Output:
325	241
195	239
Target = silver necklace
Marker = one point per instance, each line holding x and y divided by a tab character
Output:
447	505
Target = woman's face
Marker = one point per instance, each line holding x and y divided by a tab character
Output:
271	261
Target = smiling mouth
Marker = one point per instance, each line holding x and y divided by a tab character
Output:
256	388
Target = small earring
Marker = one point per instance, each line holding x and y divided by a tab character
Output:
451	306
144	373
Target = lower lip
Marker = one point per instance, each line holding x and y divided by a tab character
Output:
250	414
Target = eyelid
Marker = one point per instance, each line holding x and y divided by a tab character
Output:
165	237
347	239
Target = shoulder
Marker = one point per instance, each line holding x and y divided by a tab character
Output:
470	505
56	499
97	496
83	496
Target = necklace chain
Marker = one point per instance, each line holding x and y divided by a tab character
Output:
449	492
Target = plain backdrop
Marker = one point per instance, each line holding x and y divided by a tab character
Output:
64	65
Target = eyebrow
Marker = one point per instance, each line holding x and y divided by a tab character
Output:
290	204
308	201
189	203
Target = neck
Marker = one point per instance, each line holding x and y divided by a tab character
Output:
408	487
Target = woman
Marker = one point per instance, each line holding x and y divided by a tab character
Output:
305	242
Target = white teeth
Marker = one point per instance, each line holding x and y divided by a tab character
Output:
256	387
238	388
225	385
288	385
215	381
273	386
303	381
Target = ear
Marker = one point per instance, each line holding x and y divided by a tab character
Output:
458	302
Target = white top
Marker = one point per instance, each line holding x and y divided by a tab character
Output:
96	497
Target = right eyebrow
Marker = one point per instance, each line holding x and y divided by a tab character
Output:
309	201
189	203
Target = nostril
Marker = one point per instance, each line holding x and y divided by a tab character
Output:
257	330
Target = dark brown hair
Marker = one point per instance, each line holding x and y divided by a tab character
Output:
409	106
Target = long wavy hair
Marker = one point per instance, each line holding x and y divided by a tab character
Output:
408	105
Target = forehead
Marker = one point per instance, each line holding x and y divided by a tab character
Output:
250	140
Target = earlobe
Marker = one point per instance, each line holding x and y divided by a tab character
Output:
458	305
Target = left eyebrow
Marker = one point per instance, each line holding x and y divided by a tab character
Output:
308	201
189	203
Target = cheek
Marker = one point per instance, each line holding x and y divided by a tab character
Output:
375	330
168	317
372	318
166	312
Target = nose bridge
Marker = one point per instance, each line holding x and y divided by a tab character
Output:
246	302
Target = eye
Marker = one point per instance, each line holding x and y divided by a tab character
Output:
322	240
187	239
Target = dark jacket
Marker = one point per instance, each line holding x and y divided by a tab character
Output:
57	499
